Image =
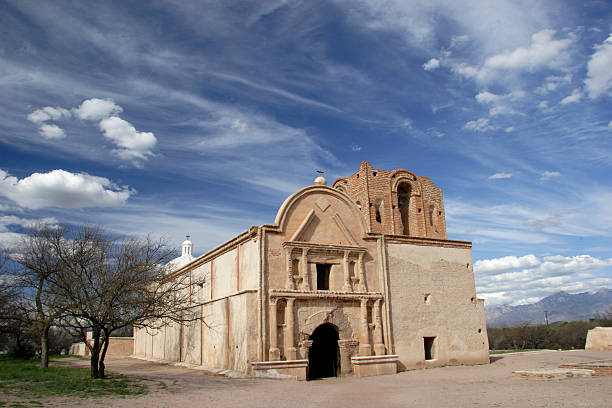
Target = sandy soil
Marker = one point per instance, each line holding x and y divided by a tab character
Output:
476	386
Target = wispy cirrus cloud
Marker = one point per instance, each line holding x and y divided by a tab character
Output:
501	175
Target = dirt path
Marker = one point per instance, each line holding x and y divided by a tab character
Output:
476	386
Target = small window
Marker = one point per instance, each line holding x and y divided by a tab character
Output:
429	348
378	207
323	276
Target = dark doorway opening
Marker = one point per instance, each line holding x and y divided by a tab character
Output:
429	348
324	355
323	271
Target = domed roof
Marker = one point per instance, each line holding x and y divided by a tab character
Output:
320	181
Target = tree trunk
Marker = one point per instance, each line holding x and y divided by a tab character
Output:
103	354
95	354
44	347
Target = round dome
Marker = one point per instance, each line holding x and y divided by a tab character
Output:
320	181
186	242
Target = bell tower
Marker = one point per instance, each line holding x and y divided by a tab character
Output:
396	202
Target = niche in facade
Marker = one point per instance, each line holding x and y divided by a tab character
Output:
403	203
377	207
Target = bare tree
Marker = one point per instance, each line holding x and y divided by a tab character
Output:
9	296
38	305
107	283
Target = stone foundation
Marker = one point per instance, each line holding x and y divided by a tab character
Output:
291	369
366	366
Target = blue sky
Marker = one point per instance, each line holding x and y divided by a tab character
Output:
201	117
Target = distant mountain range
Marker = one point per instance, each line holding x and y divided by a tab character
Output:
561	307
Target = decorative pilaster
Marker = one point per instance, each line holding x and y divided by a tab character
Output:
305	348
290	349
347	273
305	271
365	349
362	287
379	347
347	348
274	350
290	285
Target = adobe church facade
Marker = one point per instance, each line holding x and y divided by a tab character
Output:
354	278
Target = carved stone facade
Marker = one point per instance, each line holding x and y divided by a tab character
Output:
356	278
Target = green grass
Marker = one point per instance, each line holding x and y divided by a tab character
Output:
27	382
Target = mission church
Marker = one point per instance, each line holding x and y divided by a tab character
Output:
354	279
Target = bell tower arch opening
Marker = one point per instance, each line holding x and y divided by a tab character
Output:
324	354
403	202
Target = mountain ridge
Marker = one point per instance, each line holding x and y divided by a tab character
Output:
560	306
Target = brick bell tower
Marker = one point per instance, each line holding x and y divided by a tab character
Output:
396	202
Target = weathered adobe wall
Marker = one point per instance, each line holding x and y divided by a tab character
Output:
231	271
226	337
432	294
117	347
225	280
599	338
374	189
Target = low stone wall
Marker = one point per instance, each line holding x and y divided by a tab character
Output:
117	347
366	366
295	369
599	338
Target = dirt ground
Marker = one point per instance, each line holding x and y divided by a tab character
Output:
461	386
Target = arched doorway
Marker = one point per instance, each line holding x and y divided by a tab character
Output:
324	356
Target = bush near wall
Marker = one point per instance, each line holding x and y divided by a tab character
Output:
565	335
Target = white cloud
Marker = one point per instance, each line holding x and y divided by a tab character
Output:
239	125
480	125
59	188
553	220
356	148
509	129
48	113
547	175
497	176
6	220
95	109
552	82
52	131
511	279
432	64
465	70
42	115
574	97
131	143
500	104
505	264
459	40
543	105
486	97
544	50
610	124
599	74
